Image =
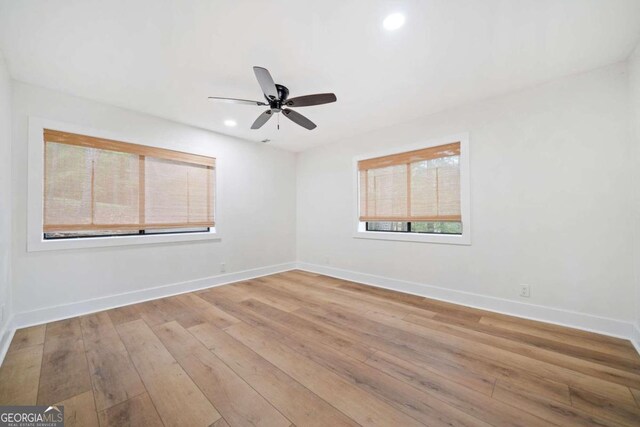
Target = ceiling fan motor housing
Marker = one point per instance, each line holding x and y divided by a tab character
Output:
283	94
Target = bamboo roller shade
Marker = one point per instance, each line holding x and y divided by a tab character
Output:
419	185
430	153
94	184
125	147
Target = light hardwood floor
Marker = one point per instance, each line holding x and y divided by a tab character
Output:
301	349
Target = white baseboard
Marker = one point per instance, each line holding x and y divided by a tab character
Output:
51	314
6	335
602	325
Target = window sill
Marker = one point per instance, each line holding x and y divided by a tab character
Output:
97	242
447	239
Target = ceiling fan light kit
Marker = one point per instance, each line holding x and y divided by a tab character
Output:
278	101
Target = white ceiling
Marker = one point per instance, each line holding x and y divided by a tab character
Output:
164	57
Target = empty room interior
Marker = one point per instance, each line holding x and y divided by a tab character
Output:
319	213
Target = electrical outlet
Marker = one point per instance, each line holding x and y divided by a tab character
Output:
1	313
223	267
525	291
327	260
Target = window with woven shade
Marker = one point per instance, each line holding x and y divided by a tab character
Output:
413	191
97	187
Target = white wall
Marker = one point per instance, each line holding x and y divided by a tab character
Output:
550	174
634	88
550	186
256	210
5	195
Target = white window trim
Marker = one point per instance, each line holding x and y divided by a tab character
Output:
360	231
35	192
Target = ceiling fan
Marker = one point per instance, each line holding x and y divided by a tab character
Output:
277	97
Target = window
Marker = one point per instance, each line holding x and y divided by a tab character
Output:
96	187
433	227
421	192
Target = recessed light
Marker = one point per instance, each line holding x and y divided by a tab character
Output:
393	21
230	123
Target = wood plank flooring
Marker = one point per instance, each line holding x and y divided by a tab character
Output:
302	349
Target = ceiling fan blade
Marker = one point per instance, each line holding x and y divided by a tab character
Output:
308	100
266	82
236	100
298	118
262	119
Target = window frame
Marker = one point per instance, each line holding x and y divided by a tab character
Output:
35	190
360	228
409	228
